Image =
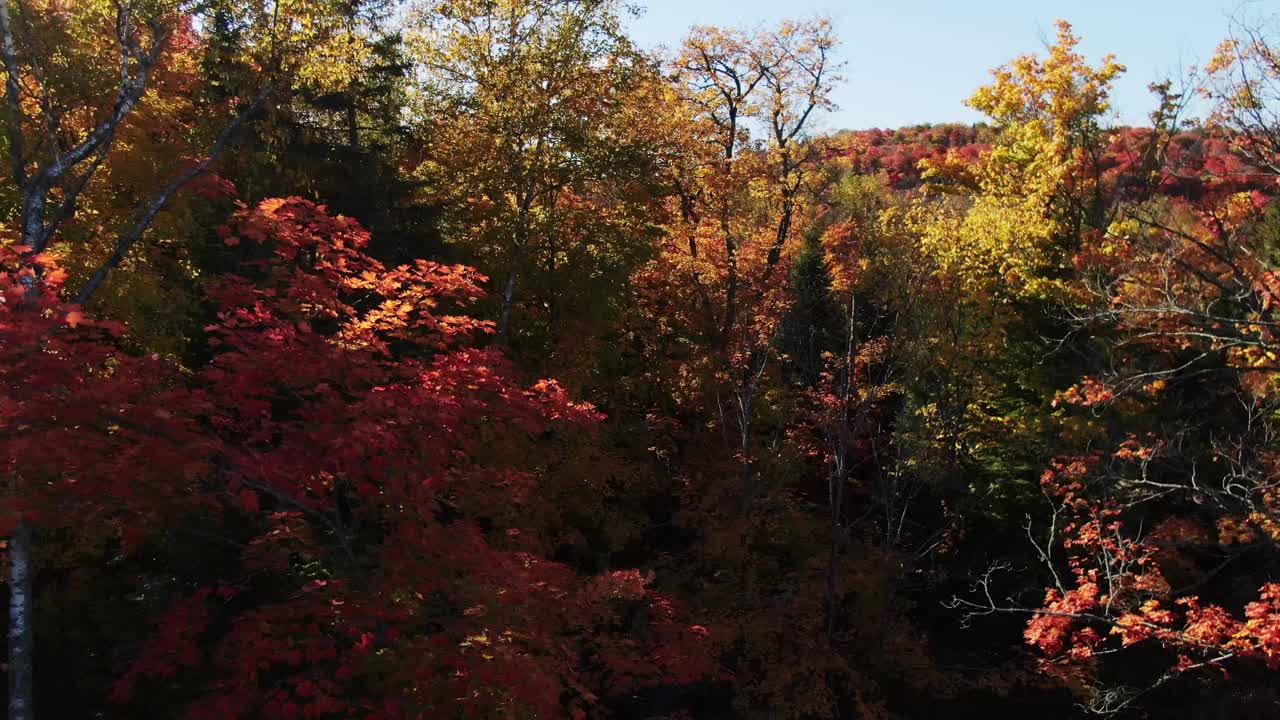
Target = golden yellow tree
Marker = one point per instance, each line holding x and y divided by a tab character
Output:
750	101
527	113
997	251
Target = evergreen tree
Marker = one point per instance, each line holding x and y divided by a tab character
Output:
814	325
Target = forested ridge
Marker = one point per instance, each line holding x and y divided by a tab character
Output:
393	359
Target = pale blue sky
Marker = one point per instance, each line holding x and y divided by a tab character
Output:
912	62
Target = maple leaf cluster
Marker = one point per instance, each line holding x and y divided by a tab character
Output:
337	428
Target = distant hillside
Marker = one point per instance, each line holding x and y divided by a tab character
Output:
897	153
1197	162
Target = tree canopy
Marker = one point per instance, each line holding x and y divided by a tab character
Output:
400	359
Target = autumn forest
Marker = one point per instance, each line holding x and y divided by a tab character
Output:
397	359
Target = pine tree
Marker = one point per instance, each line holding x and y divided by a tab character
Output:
815	322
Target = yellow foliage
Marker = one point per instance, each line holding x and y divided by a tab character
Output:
1033	187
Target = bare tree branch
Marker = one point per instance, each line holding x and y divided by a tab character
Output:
147	213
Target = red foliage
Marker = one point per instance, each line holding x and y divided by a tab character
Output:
1118	589
898	153
341	421
86	428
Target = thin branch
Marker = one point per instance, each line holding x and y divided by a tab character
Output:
148	212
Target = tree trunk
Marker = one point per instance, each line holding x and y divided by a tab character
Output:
21	633
503	338
504	316
353	126
731	290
